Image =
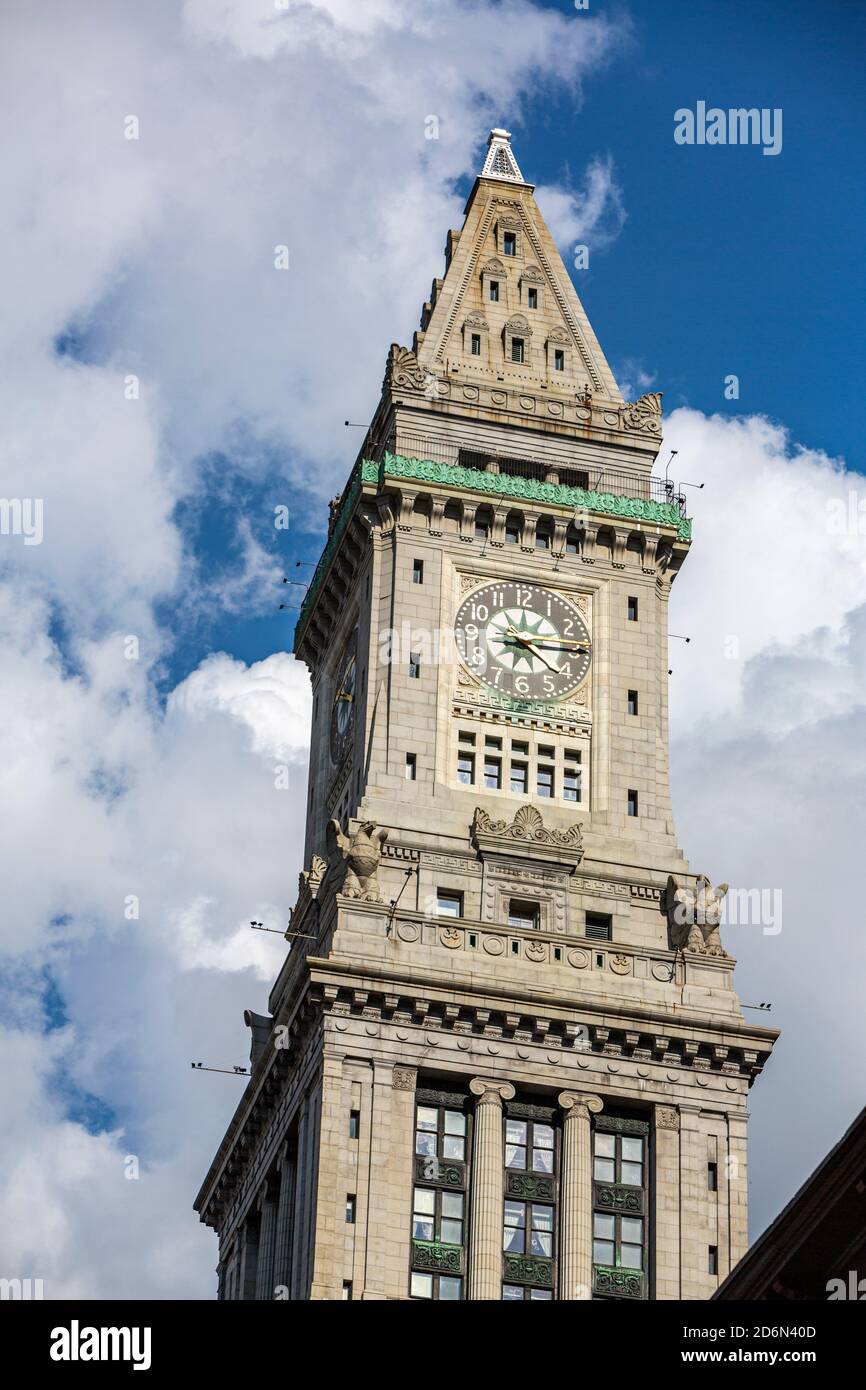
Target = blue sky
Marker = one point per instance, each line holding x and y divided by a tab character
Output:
147	689
728	261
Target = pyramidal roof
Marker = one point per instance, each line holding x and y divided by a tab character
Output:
505	280
500	162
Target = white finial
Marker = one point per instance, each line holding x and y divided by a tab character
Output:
500	162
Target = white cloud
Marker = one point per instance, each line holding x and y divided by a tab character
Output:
593	215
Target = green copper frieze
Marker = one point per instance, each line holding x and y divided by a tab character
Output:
533	490
503	485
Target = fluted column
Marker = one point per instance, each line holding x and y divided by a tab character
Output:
283	1250
267	1240
575	1199
486	1208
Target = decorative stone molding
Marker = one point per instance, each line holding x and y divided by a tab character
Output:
527	829
578	1102
645	414
667	1118
404	1078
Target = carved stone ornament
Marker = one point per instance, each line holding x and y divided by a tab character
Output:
644	415
311	878
527	829
404	1078
694	915
354	860
666	1118
402	369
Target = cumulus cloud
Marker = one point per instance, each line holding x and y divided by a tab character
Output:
161	163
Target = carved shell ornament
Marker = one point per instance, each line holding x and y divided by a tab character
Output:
645	414
528	826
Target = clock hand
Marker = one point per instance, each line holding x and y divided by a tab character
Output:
512	632
344	695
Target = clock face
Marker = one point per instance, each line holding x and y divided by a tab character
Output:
523	640
343	709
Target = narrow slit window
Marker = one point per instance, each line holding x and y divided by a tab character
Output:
476	345
417	571
415	665
517	349
532	297
354	1123
632	609
559	359
494	291
411	767
712	1177
632	802
509	244
632	702
350	1209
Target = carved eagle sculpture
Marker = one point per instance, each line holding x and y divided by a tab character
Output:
694	915
354	859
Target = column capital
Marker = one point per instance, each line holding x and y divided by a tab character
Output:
491	1092
578	1103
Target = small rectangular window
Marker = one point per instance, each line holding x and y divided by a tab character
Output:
417	571
448	904
509	243
571	780
517	349
464	736
520	747
476	345
411	767
350	1209
599	926
542	540
632	702
512	533
532	297
415	665
712	1259
632	610
466	768
545	752
347	1290
559	359
519	781
482	530
522	914
493	774
494	291
354	1123
632	802
544	780
712	1177
492	742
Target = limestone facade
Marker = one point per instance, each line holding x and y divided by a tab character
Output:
493	1070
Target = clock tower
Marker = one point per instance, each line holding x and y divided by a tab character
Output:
504	1058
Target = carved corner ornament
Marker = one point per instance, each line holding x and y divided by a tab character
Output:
527	831
644	415
694	915
402	370
353	860
667	1118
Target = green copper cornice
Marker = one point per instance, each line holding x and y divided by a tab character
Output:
503	485
533	490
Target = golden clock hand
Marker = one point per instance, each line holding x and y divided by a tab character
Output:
512	632
344	695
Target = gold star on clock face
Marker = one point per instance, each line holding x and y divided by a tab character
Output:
523	640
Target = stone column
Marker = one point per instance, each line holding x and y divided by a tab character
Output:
249	1257
486	1207
667	1202
267	1203
575	1196
283	1251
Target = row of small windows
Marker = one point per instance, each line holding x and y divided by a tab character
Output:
514	764
598	926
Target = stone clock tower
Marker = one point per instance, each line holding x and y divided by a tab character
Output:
504	1058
